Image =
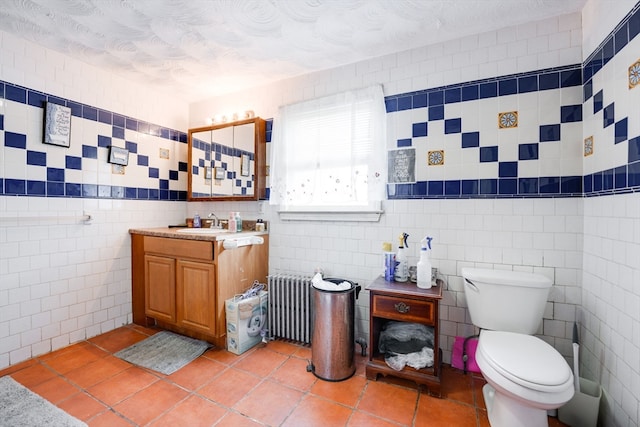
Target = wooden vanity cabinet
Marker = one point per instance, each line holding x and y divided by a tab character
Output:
404	302
182	285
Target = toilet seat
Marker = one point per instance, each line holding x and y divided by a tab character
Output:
525	360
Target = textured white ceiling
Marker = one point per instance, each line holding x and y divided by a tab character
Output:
203	48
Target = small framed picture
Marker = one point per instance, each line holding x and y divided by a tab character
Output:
219	173
118	156
244	166
57	125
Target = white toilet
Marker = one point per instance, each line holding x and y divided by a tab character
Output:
525	375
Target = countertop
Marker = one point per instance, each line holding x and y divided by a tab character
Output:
173	234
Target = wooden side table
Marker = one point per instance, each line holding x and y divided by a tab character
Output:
404	302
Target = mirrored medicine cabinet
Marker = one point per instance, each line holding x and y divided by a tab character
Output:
227	161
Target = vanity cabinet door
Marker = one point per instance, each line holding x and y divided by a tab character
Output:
196	296
160	288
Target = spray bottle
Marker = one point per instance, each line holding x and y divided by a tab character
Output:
424	265
402	263
388	262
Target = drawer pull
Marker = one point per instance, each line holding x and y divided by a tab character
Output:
402	307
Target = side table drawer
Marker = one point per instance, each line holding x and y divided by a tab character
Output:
404	309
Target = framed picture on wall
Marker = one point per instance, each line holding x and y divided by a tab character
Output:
118	156
57	125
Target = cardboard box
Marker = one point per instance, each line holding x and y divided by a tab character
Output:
246	319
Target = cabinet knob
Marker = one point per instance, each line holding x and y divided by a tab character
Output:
402	307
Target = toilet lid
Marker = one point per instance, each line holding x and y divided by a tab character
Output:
524	359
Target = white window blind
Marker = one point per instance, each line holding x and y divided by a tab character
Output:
328	154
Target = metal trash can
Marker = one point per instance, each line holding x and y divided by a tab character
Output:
332	341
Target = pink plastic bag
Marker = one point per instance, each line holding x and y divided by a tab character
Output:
457	357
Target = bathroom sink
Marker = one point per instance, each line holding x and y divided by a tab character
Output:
203	231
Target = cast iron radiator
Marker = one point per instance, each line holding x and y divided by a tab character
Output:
290	307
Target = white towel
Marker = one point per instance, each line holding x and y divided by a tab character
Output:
319	283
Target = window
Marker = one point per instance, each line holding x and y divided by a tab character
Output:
328	154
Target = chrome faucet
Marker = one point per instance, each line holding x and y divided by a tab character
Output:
216	221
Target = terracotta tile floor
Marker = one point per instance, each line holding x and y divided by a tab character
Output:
265	386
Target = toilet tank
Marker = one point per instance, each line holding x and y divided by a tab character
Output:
503	300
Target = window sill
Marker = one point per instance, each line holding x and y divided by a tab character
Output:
361	214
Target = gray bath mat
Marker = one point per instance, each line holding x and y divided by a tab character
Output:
20	407
164	352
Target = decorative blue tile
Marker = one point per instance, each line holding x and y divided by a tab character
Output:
89	190
436	98
55	100
419	189
164	194
528	186
72	189
608	179
634	149
154	194
419	129
105	117
15	93
527	84
436	112
14	186
36	188
571	78
470	139
117	132
597	181
633	174
164	184
72	162
104	141
182	166
420	100
404	142
452	95
143	193
488	154
587	72
452	188
528	151
15	140
435	188
404	103
571	184
507	186
470	92
118	120
508	87
89	113
453	126
130	193
143	160
132	124
36	99
621	131
488	90
570	113
391	105
507	169
620	177
1	122
117	192
621	37
154	173
549	185
608	115
587	183
470	187
634	24
36	158
154	130
55	175
549	133
173	175
131	146
89	152
587	91
597	102
549	81
607	51
55	189
488	186
76	109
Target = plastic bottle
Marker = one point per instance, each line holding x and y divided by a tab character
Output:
402	263
196	221
424	265
231	225
238	222
388	262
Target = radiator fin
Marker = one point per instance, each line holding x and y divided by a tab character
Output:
290	307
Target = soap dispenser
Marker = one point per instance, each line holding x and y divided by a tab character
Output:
401	273
424	265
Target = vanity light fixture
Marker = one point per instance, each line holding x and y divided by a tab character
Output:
232	117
